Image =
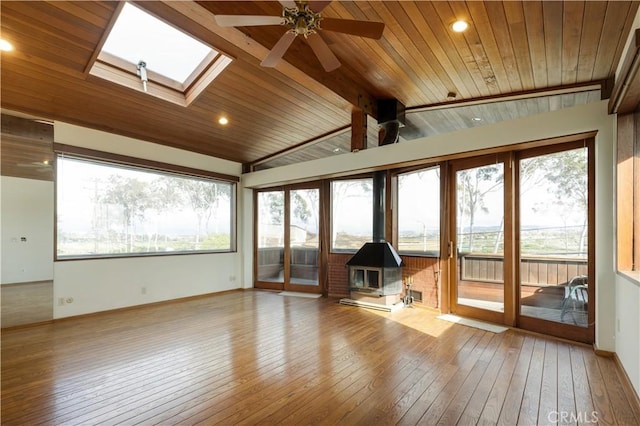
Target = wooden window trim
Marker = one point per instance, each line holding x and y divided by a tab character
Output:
628	196
92	154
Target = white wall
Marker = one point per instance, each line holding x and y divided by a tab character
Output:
102	141
579	119
26	211
104	284
628	327
627	292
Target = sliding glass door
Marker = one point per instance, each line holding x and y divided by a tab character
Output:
555	276
287	239
522	239
478	238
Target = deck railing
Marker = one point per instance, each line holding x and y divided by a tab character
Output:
534	270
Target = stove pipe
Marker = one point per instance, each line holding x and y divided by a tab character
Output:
379	183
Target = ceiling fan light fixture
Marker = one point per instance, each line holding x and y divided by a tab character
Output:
459	26
301	20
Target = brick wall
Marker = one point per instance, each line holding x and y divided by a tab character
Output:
337	273
423	270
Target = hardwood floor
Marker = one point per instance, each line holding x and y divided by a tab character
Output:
257	357
26	303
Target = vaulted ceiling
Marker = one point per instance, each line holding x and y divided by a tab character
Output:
511	47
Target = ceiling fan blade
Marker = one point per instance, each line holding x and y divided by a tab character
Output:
325	55
349	26
247	20
318	6
288	3
278	50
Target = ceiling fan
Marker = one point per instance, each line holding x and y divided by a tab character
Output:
304	18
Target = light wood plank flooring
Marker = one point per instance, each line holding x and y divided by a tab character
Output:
26	303
256	357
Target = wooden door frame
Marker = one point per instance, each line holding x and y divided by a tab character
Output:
552	328
286	285
508	315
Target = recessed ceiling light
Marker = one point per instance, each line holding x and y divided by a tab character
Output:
45	162
223	120
459	26
476	119
5	46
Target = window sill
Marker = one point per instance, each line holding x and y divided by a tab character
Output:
633	276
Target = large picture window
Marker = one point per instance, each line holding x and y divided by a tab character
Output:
419	212
106	210
351	213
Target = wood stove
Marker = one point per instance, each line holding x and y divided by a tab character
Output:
375	271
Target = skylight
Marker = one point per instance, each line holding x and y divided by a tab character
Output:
138	36
144	53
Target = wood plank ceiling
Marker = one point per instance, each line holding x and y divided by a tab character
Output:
510	47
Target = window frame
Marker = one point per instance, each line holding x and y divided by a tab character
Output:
396	209
120	71
149	166
333	249
627	196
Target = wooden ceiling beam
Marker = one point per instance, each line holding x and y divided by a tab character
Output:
300	71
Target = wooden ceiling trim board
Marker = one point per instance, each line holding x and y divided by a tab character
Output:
43	56
20	159
514	14
271	117
420	49
612	30
398	48
502	35
484	78
441	32
534	24
481	24
103	38
301	145
53	21
396	42
428	45
306	102
552	12
24	128
534	93
625	96
347	89
593	13
572	32
476	48
96	13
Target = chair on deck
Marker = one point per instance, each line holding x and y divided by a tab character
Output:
576	291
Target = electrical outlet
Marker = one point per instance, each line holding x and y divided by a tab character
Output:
143	290
61	301
232	278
